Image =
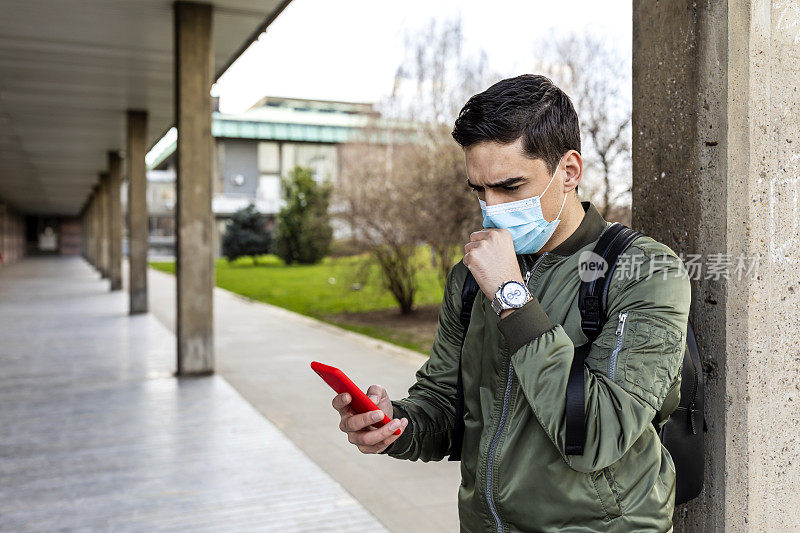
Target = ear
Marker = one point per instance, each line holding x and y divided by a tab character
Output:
573	167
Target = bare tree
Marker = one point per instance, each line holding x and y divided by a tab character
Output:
598	80
404	183
434	81
448	210
438	74
378	199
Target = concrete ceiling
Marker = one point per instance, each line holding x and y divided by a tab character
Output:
69	70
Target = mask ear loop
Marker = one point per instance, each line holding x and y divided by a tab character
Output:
553	177
548	186
562	207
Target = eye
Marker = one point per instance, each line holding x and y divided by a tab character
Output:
511	187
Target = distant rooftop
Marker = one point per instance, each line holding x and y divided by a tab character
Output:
326	106
276	118
283	110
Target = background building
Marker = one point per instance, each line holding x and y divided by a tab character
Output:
252	151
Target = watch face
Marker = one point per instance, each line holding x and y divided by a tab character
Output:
514	293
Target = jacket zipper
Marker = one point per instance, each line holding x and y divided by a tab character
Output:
509	381
612	365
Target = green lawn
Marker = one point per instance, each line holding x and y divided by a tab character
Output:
324	289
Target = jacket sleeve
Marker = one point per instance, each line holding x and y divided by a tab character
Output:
629	368
430	405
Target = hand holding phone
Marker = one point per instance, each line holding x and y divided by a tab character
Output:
366	424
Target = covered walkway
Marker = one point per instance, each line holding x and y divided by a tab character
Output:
99	434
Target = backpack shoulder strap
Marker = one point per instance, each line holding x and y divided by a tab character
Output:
592	294
592	305
468	293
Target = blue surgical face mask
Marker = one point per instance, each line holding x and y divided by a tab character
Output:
524	219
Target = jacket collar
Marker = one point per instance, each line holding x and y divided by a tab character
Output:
588	231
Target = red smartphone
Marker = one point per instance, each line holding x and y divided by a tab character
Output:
341	383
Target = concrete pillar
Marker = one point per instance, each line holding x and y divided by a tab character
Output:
106	224
97	230
90	223
87	242
10	244
195	272
3	233
82	218
114	221
137	211
10	251
102	225
716	123
19	230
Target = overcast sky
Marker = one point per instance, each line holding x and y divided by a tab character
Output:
349	49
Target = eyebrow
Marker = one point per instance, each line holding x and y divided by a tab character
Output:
504	183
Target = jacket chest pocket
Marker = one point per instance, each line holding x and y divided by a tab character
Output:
609	499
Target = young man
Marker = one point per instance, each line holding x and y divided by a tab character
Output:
521	142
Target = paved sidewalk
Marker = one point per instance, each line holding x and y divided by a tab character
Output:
265	352
97	433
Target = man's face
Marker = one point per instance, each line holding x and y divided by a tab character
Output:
501	173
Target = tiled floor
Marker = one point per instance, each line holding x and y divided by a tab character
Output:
97	434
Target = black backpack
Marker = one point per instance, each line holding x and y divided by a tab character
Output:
678	433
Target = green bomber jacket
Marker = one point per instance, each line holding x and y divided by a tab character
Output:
515	474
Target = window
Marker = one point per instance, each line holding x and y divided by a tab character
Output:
269	160
269	192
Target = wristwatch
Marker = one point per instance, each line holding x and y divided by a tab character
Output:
511	295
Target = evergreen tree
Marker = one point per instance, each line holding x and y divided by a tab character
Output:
303	230
246	234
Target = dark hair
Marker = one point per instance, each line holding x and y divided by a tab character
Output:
528	106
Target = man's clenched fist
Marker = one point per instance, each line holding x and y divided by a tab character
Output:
491	258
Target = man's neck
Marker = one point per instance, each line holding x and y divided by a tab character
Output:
571	218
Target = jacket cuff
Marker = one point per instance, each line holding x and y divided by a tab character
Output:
404	440
524	324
